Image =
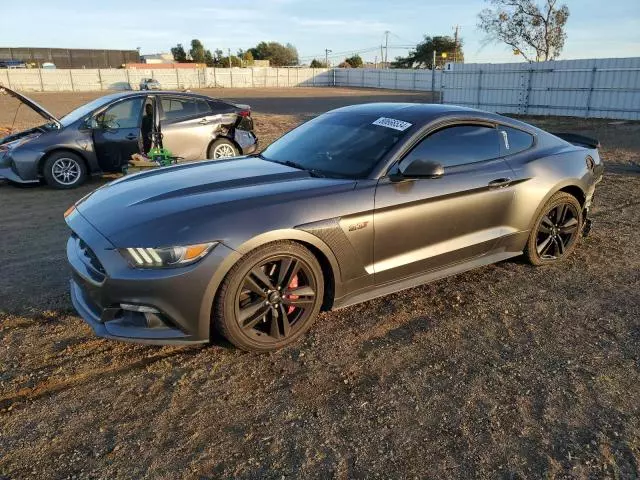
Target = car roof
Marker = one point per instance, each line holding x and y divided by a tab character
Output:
411	112
421	114
119	95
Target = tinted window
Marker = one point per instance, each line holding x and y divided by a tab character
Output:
458	145
221	107
84	110
175	108
125	114
344	145
203	106
513	140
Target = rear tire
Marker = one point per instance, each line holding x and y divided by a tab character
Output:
556	232
270	298
64	170
222	148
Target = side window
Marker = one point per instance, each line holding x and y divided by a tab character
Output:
175	108
221	107
458	145
125	114
513	140
203	106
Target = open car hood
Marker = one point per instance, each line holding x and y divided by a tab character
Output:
31	104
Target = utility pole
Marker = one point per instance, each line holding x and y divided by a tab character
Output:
375	62
381	56
386	48
455	51
326	57
229	50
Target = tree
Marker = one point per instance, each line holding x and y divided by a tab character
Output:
537	33
235	62
355	61
179	55
317	64
278	55
208	58
247	58
422	55
197	51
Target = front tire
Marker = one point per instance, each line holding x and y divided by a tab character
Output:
270	297
64	170
556	231
222	148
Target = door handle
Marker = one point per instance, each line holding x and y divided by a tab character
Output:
131	136
500	183
204	121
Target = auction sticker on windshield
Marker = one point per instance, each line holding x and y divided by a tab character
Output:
392	123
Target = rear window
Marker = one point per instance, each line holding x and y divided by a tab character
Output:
338	144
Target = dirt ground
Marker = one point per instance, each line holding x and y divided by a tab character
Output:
508	371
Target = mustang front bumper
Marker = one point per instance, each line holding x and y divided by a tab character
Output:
156	306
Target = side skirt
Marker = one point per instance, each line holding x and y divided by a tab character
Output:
430	276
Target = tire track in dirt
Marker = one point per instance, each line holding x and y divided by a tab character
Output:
52	386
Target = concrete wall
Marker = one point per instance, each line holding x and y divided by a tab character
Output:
603	88
120	79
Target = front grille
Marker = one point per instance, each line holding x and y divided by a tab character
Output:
88	257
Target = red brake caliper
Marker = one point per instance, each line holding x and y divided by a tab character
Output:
292	285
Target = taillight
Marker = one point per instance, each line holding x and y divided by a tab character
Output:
245	113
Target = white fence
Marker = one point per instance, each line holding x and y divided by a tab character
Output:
126	79
398	79
603	88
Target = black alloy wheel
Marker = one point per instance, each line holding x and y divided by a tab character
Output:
276	295
556	231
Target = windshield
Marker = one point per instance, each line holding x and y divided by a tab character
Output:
343	145
87	108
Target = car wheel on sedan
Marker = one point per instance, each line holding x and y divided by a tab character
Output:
270	297
556	231
64	170
222	148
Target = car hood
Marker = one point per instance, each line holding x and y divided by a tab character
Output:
39	109
203	201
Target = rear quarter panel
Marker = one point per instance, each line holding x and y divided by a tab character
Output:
542	173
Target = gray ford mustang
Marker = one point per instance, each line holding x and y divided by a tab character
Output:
357	203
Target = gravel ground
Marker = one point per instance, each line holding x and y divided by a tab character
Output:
508	371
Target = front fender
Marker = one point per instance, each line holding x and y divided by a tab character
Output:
298	236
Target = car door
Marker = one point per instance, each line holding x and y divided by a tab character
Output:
116	133
187	126
428	223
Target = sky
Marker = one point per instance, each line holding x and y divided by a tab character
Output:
596	28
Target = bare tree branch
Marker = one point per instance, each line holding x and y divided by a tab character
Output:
527	27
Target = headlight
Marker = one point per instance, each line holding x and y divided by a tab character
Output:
18	142
166	257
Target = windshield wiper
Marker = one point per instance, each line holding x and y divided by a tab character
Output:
314	172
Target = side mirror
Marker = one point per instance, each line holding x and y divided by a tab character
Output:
419	168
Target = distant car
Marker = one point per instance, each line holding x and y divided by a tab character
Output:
102	135
357	203
12	64
150	84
